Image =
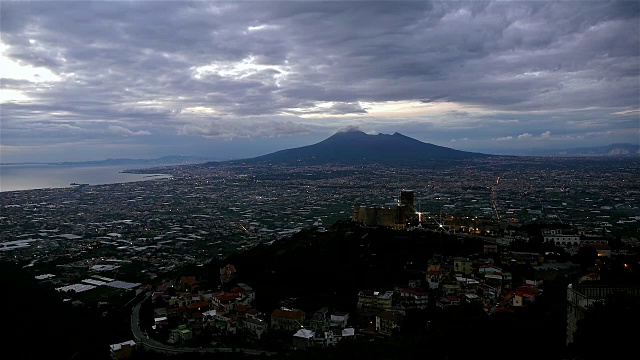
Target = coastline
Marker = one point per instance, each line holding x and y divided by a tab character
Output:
24	178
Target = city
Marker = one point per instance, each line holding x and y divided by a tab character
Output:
96	244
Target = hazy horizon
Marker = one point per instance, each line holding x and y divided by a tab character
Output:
204	158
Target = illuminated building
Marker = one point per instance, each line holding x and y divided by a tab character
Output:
395	215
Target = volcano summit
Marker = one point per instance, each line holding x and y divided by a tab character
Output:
356	147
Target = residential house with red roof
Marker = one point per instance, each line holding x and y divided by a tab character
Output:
287	319
225	300
524	295
412	298
448	301
198	308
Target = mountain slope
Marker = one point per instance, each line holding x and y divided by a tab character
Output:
356	147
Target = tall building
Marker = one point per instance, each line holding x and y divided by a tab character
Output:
406	199
408	210
394	215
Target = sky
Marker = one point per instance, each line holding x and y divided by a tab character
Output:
235	79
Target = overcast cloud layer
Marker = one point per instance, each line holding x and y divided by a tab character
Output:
230	79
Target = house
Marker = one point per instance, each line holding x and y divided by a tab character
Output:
160	322
339	319
197	308
387	322
122	350
326	338
561	235
472	299
462	265
180	335
448	301
450	289
287	319
434	276
209	317
247	312
524	295
488	293
247	291
348	333
222	316
303	338
566	239
413	298
320	321
494	279
255	327
332	337
467	285
225	300
368	299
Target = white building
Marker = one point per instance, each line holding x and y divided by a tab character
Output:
255	327
339	319
303	338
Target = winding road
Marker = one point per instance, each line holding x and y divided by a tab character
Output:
142	339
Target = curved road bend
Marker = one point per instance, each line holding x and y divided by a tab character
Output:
151	344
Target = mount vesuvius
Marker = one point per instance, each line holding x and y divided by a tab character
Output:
356	147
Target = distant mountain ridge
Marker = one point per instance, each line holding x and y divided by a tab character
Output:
356	147
165	160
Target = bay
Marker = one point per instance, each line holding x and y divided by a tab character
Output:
30	177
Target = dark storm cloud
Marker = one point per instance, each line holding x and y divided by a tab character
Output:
251	69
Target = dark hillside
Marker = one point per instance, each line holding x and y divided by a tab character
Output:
39	325
329	268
